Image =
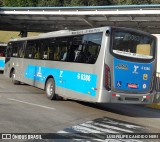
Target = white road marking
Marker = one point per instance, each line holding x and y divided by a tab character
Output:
31	103
83	129
99	128
122	124
113	127
61	131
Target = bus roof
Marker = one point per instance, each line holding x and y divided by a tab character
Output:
62	33
70	32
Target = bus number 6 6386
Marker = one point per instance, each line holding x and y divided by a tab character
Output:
84	77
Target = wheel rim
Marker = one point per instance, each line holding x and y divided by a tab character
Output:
13	76
50	89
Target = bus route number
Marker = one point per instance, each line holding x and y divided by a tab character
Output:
84	77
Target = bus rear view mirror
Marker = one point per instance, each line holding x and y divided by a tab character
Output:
107	33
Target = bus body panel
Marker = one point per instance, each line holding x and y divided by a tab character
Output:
126	98
2	63
87	82
131	76
76	81
2	55
131	81
158	52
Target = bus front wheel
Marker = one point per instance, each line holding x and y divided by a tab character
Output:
50	89
13	78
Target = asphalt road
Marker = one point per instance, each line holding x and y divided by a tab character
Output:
26	109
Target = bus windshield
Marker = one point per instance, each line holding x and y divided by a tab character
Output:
133	45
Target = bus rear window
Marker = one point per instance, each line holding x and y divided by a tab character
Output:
133	45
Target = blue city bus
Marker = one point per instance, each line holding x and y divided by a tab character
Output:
106	64
2	55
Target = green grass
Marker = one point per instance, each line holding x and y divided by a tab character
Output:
5	36
154	105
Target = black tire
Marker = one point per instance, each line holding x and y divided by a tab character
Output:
50	89
15	82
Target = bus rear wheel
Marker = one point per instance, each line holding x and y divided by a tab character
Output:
50	89
15	82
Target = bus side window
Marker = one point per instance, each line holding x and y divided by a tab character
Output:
14	50
63	54
38	50
90	49
56	54
70	57
30	50
21	49
45	56
37	54
46	50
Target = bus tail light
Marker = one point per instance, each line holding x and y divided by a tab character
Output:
107	78
114	95
146	97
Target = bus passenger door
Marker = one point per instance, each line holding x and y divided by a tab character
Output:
19	60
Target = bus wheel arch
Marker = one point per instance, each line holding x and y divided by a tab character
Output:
50	88
12	75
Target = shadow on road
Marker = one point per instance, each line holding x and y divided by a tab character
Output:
126	109
1	72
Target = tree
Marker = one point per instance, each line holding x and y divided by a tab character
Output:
104	2
49	3
10	3
1	2
20	3
67	3
141	2
121	2
77	3
33	3
155	1
23	3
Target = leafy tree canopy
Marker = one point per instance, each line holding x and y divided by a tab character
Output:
34	3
